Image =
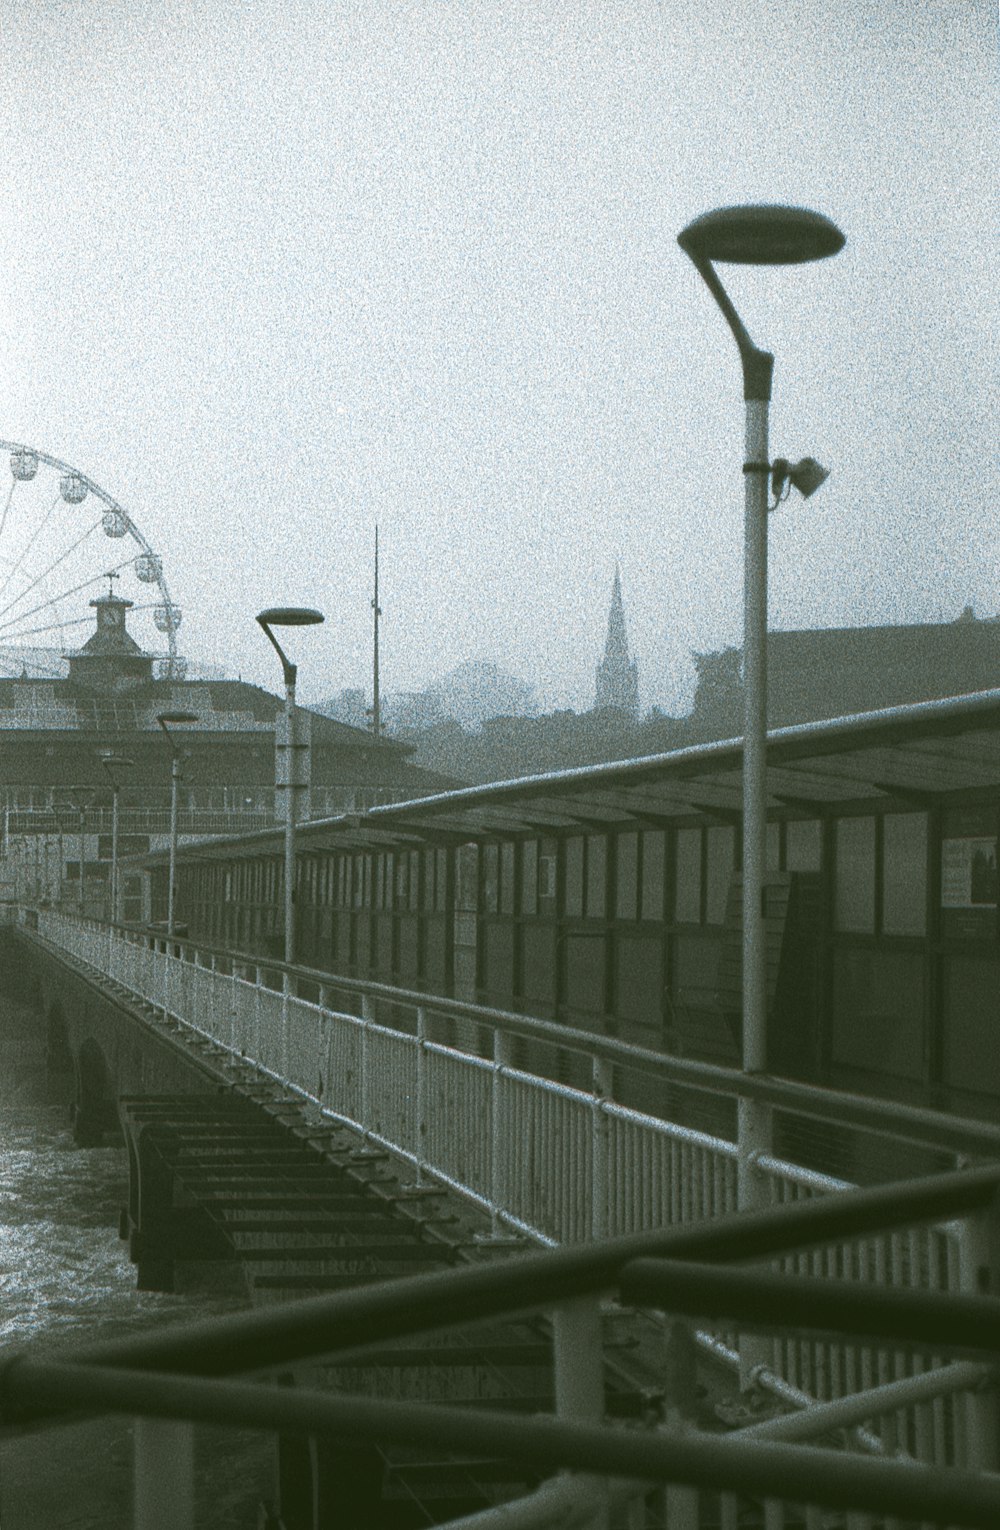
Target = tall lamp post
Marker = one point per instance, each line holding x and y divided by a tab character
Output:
757	236
289	616
111	764
167	720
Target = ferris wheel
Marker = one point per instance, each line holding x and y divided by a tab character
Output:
55	559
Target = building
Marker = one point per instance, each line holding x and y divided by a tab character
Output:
617	673
57	791
840	671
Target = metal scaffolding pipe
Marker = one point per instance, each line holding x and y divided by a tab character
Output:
848	1412
321	1325
799	1473
768	1300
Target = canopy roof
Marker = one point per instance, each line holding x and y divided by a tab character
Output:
903	757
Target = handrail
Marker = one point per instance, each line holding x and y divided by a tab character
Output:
350	1320
176	1375
912	1123
802	1473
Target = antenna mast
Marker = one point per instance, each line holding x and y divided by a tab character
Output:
377	609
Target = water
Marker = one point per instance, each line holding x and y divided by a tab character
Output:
65	1278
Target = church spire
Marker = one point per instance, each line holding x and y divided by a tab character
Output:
617	674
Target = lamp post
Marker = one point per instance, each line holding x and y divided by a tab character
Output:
111	764
167	720
289	616
760	236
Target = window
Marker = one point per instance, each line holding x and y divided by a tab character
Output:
687	883
597	876
627	867
507	879
904	873
803	844
720	846
491	878
653	864
529	877
854	890
573	898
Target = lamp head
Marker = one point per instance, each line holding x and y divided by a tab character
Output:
169	718
290	616
761	235
806	475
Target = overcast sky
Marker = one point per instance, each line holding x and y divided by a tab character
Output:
275	270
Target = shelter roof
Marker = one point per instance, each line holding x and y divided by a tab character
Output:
900	757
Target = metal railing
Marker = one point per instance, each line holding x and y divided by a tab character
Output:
565	1164
765	1470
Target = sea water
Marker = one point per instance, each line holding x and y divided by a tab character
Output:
65	1279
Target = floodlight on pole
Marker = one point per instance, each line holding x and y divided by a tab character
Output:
761	236
168	720
289	616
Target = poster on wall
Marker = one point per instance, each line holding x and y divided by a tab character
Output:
969	873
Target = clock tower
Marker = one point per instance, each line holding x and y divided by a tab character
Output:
110	660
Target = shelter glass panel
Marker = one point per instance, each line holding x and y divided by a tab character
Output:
878	1011
491	878
803	844
573	893
720	847
854	887
904	873
687	882
597	876
626	884
529	877
467	873
972	1024
507	878
654	862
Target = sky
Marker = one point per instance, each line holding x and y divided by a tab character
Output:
277	271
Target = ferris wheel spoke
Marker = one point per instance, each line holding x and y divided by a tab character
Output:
51	600
51	568
38	531
6	508
57	625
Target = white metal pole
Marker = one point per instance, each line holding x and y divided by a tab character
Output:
753	1118
755	737
114	854
291	776
163	1456
172	875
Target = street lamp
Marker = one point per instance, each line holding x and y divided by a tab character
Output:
289	616
111	764
758	236
167	720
